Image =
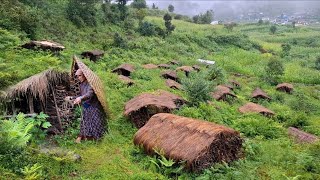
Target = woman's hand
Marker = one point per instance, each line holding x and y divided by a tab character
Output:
77	101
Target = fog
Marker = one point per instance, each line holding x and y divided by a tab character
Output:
231	9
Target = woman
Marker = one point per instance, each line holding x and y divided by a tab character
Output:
92	123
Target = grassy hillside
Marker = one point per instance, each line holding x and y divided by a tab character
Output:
269	152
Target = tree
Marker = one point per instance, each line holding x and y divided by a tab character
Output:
167	22
154	6
123	9
273	29
285	49
171	8
140	14
205	18
294	24
147	29
274	70
139	4
260	22
82	12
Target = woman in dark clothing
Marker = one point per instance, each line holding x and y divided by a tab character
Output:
92	123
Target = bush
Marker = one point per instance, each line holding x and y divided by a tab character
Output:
147	29
299	120
197	88
273	71
216	74
252	127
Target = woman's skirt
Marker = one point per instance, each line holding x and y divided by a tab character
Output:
92	123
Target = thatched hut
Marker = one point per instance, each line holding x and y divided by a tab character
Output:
255	108
164	66
169	74
44	92
286	87
44	45
185	69
301	136
173	84
222	93
93	55
199	143
124	69
150	66
142	107
259	94
126	80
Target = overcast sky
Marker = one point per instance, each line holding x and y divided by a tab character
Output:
231	8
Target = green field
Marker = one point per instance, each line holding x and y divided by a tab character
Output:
269	152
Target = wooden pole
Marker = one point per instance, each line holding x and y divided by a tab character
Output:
56	106
30	100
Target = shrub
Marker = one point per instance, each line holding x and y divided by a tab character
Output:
273	71
147	29
299	120
273	29
258	126
216	74
118	41
197	88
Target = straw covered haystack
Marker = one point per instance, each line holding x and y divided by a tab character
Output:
185	69
255	108
169	74
164	66
126	80
301	136
260	94
124	69
196	67
93	55
44	45
286	87
173	84
222	93
43	92
142	107
174	62
235	83
199	143
150	66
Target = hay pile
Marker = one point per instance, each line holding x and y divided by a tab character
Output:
150	66
222	93
260	94
198	143
255	108
301	136
142	107
124	69
285	87
173	84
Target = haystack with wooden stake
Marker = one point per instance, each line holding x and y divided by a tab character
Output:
301	136
169	74
142	107
286	87
185	69
222	93
199	143
150	66
259	94
164	66
93	55
94	82
255	108
124	69
126	80
196	67
173	84
44	45
43	92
